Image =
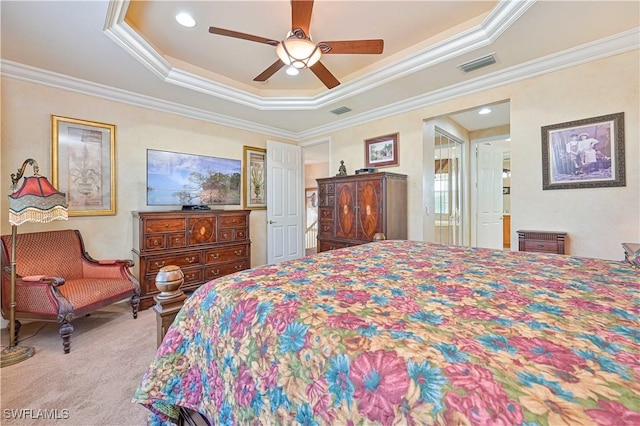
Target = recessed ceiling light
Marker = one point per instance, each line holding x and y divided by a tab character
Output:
484	111
292	70
185	19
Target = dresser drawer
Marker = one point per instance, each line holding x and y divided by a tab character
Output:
214	271
155	242
176	241
326	213
330	245
154	226
184	259
227	254
325	229
541	246
232	220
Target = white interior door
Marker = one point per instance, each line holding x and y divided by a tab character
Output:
489	196
285	201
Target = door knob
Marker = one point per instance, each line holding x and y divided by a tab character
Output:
272	222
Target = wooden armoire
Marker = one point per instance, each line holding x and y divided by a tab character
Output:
352	209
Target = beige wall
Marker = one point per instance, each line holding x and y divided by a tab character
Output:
26	111
597	220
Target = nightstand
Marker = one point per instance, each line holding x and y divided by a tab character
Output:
542	241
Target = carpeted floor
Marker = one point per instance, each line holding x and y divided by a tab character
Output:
93	384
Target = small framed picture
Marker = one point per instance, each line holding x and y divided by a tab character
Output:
506	190
254	178
381	151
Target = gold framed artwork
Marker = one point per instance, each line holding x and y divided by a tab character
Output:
254	178
83	165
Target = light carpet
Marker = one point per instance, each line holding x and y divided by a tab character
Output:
91	385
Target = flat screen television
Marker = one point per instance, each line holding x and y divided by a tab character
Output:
178	179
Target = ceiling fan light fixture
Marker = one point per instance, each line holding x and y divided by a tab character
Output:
185	20
291	70
298	52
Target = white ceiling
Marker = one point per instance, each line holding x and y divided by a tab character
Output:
137	53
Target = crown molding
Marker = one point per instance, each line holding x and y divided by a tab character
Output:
610	46
31	74
497	21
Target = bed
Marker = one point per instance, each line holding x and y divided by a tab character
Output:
405	332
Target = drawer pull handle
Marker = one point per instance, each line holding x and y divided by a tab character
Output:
325	213
191	276
155	242
166	225
159	264
177	240
540	245
234	221
238	267
190	259
215	255
237	252
216	272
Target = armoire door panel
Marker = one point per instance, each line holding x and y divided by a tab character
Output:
346	205
369	203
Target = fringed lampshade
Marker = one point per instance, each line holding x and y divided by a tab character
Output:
36	201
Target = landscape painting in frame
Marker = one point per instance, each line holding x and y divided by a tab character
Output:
177	179
587	153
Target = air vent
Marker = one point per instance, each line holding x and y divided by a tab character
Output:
340	110
478	63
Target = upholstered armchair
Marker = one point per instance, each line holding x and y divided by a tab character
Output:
58	281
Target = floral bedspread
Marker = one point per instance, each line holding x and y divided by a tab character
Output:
407	333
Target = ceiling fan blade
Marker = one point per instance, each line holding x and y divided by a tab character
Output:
324	75
352	46
264	76
301	15
243	36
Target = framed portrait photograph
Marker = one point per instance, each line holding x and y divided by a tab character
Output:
506	190
83	165
381	151
587	153
254	178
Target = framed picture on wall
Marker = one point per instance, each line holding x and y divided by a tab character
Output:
83	165
254	178
381	151
586	153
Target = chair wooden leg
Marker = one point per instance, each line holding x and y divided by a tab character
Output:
66	330
135	305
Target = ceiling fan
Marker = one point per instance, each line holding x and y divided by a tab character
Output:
298	50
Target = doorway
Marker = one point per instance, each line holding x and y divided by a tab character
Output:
316	157
448	182
456	174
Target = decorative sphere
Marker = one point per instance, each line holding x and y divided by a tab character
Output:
169	280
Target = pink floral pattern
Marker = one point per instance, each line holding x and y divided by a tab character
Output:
399	332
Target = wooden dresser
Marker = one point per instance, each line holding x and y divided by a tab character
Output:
542	241
352	209
204	244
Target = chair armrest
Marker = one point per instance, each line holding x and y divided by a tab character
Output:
108	268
